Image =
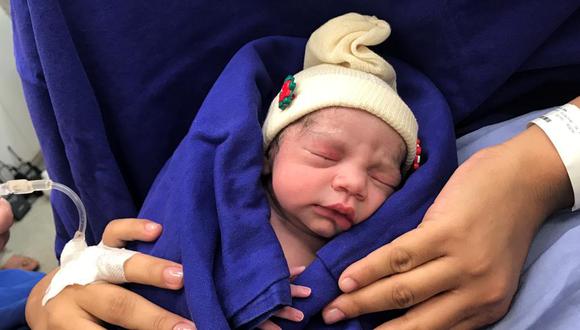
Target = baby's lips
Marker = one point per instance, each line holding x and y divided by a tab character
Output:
347	211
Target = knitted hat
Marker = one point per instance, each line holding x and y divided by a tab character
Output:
340	70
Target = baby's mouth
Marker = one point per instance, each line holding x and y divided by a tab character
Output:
340	214
346	211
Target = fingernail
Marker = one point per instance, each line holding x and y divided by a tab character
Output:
332	316
184	326
173	275
151	226
298	316
306	291
348	285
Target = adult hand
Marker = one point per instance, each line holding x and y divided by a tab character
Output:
460	268
6	220
85	307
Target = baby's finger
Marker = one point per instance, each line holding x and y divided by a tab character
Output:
269	325
290	314
295	271
120	231
149	270
299	291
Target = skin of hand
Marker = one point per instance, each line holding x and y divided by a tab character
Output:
86	307
6	221
460	268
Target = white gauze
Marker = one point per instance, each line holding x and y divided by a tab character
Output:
82	264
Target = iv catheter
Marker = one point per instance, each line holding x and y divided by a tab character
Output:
79	263
22	187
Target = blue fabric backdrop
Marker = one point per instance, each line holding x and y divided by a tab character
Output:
15	285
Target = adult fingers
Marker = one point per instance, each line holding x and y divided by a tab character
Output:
141	268
410	250
87	325
4	238
149	270
120	231
71	322
290	313
6	218
441	312
119	306
395	292
61	314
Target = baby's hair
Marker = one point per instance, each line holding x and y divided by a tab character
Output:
303	124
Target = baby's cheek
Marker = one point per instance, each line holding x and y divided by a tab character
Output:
293	179
287	190
374	203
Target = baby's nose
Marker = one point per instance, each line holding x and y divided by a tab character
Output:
352	183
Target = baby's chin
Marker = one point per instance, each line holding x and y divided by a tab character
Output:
328	230
325	230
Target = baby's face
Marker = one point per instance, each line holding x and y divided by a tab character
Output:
335	172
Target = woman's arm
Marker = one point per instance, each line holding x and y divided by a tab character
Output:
460	268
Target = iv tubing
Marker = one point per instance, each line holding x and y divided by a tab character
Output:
78	203
21	187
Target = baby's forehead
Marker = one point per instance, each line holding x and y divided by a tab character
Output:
334	112
326	118
329	120
328	123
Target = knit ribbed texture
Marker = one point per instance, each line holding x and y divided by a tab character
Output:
341	71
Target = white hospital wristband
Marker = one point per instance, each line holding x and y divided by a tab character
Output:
562	126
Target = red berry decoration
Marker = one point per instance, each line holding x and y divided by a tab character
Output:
287	92
417	161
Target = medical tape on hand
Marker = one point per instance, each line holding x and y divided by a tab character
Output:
82	264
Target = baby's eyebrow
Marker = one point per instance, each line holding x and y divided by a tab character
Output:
326	137
324	132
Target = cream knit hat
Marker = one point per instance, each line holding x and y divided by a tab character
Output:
340	70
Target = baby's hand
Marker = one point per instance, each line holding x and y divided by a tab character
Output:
289	313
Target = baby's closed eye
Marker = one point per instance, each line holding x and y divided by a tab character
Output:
324	156
385	179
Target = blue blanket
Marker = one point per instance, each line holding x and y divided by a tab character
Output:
113	88
15	285
215	215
